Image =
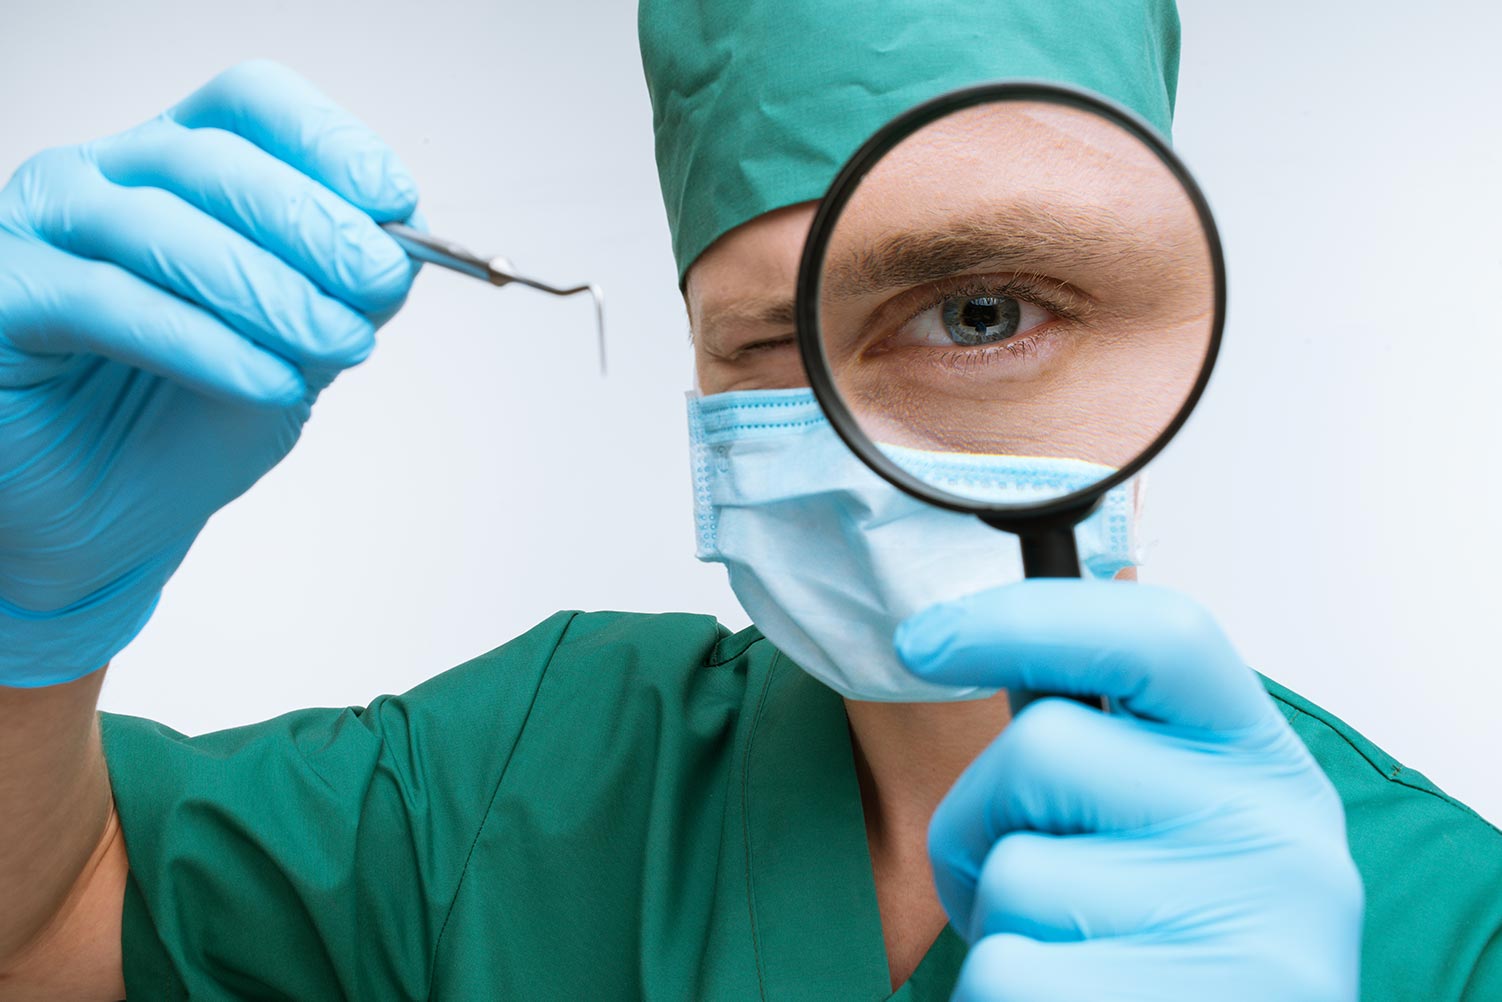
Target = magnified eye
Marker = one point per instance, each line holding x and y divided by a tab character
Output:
972	320
969	320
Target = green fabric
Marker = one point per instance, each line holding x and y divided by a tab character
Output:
757	104
1432	868
622	806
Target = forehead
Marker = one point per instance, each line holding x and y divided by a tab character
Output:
993	153
1031	169
1066	161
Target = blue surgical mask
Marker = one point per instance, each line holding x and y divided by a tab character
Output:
827	558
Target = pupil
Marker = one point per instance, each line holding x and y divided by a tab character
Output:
976	320
981	314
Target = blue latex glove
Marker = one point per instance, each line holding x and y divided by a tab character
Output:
172	301
1187	848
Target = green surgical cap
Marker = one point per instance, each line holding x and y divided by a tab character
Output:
757	103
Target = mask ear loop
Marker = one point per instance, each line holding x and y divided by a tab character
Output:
1140	545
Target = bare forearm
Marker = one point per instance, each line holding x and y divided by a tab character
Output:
55	806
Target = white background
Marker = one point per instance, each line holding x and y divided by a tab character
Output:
1335	500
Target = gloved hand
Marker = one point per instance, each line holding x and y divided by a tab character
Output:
172	301
1186	848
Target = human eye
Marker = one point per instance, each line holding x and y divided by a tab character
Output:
976	318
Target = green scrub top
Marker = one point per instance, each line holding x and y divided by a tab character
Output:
621	806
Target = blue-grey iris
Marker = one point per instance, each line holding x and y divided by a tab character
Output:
976	320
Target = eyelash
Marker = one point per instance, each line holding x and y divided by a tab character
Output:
1025	288
1060	300
778	342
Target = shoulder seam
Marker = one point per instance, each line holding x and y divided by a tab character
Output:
490	804
1394	774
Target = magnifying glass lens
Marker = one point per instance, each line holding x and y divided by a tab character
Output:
1016	301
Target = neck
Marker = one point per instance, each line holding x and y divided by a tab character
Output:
907	756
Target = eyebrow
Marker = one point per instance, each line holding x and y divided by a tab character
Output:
1025	235
1028	235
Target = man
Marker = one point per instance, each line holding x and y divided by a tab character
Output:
631	806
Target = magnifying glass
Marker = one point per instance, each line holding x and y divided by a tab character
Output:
1010	300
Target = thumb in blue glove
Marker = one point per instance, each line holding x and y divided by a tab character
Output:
1185	848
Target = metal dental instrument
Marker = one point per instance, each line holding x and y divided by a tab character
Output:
496	270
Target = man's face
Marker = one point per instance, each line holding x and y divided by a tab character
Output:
1085	237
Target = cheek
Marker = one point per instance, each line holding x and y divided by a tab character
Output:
709	374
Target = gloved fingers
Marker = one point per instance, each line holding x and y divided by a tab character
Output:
1155	652
1250	893
1070	888
379	317
1062	768
337	246
1065	888
293	121
161	238
1158	968
1010	968
53	305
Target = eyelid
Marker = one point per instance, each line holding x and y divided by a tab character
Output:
765	344
1057	297
1049	293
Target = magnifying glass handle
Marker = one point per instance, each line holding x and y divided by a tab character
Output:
1050	553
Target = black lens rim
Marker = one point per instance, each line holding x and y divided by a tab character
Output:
1019	517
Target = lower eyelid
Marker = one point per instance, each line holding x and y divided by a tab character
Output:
1035	324
1013	289
962	358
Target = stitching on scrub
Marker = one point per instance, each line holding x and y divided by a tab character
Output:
1395	774
719	656
761	702
495	792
